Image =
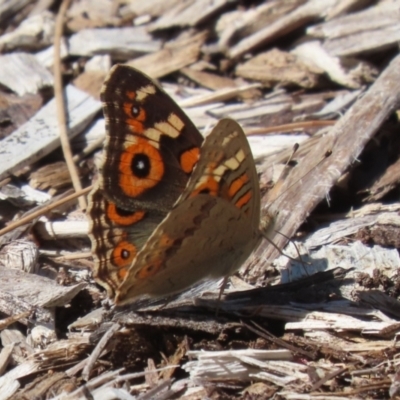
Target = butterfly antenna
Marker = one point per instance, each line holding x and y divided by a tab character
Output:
265	236
285	172
280	180
303	263
283	175
221	291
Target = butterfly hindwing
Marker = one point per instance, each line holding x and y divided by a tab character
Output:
212	228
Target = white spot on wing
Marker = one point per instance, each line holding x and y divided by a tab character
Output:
144	91
154	136
176	122
167	129
129	141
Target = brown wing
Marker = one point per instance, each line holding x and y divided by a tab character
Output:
150	149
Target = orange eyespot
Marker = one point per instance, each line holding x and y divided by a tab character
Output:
141	168
123	254
136	115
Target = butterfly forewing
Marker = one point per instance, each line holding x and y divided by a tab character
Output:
151	145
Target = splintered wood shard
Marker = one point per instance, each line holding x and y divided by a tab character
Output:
39	136
346	140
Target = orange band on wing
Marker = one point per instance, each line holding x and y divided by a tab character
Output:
189	159
131	184
122	218
243	200
237	184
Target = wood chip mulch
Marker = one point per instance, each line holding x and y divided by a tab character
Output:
320	325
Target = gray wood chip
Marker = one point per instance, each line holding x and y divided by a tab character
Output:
39	136
123	43
22	73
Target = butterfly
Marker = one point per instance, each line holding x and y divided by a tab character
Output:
169	209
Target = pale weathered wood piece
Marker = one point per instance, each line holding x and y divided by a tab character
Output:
357	258
22	73
341	322
154	8
5	354
210	80
370	30
91	80
89	322
279	67
188	13
244	365
34	33
235	25
343	6
46	56
271	105
365	42
8	386
289	22
105	386
18	109
219	95
263	146
352	75
382	15
201	118
53	230
122	43
20	254
100	347
255	111
91	138
341	101
23	195
40	6
172	57
92	14
346	141
10	305
9	8
342	228
36	290
39	136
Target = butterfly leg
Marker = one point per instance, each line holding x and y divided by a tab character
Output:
221	291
